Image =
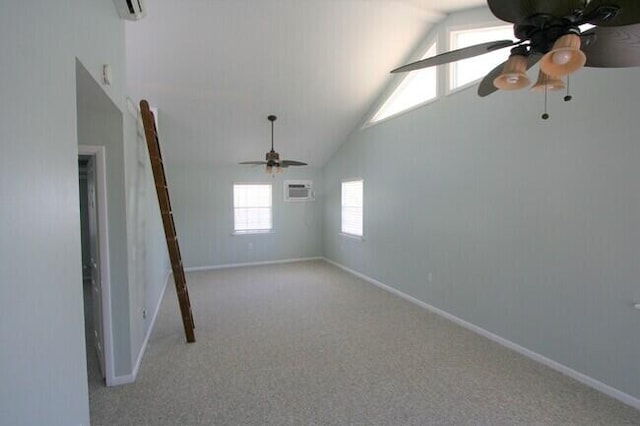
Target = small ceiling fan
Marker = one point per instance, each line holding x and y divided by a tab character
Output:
272	158
549	31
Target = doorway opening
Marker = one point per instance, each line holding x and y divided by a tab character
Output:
95	264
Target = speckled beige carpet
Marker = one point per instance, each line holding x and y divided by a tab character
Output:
309	344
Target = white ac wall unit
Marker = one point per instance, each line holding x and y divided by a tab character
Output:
298	190
131	10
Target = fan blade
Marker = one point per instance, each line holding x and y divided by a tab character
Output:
253	162
456	55
518	11
628	14
486	86
614	47
287	163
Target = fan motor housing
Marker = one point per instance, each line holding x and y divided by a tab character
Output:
543	30
272	157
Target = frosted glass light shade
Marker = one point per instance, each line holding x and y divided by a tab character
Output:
514	75
565	57
552	83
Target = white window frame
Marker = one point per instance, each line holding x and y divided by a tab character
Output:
245	231
451	67
405	83
342	209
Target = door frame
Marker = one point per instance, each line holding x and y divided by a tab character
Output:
98	152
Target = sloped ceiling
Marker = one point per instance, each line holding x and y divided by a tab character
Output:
217	68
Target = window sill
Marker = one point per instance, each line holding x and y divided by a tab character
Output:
235	233
465	86
352	236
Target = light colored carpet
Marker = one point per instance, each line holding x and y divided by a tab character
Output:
309	344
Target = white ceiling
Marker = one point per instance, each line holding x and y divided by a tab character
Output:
217	68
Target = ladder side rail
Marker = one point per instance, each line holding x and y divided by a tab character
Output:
162	191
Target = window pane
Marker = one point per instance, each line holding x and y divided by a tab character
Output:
471	69
251	195
252	207
416	88
352	207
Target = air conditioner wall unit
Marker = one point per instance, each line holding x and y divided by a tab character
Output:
131	10
298	190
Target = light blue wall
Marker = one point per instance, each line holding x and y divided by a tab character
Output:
42	361
202	201
529	228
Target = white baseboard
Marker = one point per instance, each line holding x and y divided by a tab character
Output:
130	378
582	378
240	265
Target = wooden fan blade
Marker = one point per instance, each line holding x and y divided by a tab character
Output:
628	14
614	47
287	163
486	86
456	55
517	11
253	162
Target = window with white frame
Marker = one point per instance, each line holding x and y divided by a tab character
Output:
252	208
352	207
415	89
468	70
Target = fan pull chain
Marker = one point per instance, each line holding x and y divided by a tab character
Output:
545	115
568	97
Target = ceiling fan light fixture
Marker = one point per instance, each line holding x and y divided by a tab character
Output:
273	169
549	82
565	57
514	74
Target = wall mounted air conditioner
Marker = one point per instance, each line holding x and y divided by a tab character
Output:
298	190
132	10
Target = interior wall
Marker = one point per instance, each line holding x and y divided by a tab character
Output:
138	256
148	257
202	201
524	227
100	122
42	362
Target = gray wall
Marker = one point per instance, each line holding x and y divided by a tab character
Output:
42	362
202	200
527	227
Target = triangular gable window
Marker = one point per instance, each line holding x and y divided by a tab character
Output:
417	88
463	73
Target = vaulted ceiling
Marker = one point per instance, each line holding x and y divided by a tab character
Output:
217	68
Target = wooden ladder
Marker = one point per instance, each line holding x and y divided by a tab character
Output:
162	190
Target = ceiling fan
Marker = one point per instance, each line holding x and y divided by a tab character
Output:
272	158
548	31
